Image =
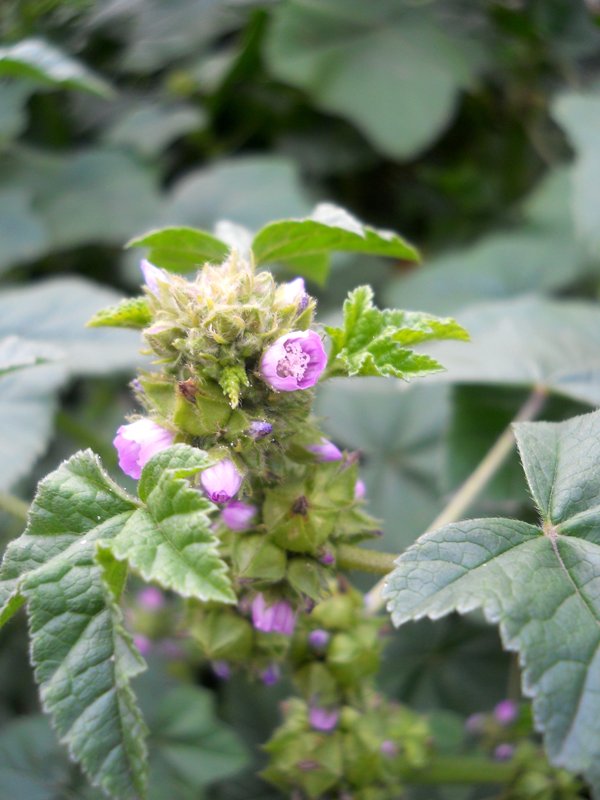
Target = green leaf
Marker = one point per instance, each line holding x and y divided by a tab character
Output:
392	71
170	541
374	342
82	656
181	249
22	230
328	228
17	353
47	65
538	583
148	128
13	115
132	312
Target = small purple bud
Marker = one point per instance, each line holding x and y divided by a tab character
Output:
327	558
293	293
238	516
221	482
325	451
360	489
294	361
322	719
504	752
506	712
152	275
136	386
475	724
270	675
278	617
137	442
150	598
259	429
388	748
318	639
221	669
143	644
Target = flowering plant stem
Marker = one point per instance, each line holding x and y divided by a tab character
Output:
358	558
13	505
461	770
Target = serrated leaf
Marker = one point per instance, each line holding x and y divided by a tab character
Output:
42	62
132	312
327	229
82	656
374	342
170	541
181	249
539	583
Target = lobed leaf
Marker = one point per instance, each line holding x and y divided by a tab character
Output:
379	343
181	249
541	584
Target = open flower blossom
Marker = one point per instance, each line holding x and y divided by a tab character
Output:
294	361
222	481
323	719
152	275
293	293
325	451
278	617
238	515
137	442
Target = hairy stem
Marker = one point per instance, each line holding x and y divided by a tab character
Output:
13	505
461	769
351	557
476	482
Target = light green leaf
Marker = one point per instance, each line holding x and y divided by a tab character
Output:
133	312
374	342
181	249
22	231
41	62
148	128
392	71
82	656
13	116
539	584
17	353
170	541
327	229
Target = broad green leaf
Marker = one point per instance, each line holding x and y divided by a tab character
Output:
181	249
148	128
82	656
391	70
17	353
133	312
170	541
374	342
528	342
46	64
539	584
327	229
13	116
23	233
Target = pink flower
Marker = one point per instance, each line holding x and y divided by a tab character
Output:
137	442
388	748
150	598
293	293
322	719
278	617
152	275
238	516
325	451
221	482
504	752
143	644
294	361
360	489
506	712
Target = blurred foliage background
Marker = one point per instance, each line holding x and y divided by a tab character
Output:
473	128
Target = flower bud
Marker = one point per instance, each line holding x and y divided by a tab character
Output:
360	489
137	442
259	429
238	515
152	275
143	644
318	639
292	293
475	724
506	712
323	719
504	752
150	598
388	748
221	482
221	669
325	451
270	675
294	361
278	617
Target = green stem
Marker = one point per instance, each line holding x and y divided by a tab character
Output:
13	505
351	557
461	769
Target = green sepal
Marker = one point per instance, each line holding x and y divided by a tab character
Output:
355	655
207	413
308	577
133	312
222	634
254	556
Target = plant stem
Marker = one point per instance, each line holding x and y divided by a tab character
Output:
351	557
476	482
13	505
461	769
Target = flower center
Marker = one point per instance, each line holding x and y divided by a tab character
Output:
293	364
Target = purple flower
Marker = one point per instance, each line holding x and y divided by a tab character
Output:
323	719
293	293
137	442
360	489
475	723
259	429
150	598
278	617
318	638
152	275
221	669
270	675
143	644
506	712
388	748
327	558
325	451
294	361
504	752
238	516
221	482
